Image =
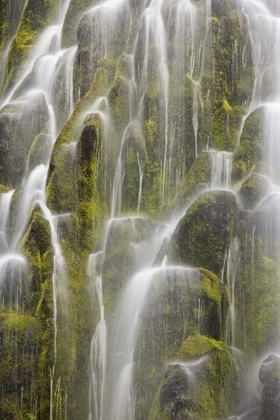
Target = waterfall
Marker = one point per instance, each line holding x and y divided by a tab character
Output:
139	209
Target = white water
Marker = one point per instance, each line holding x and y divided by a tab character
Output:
45	65
233	260
221	169
98	348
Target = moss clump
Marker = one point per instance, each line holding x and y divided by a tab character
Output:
232	77
253	189
181	302
30	327
203	390
203	236
37	247
250	150
91	208
3	189
61	186
35	15
17	367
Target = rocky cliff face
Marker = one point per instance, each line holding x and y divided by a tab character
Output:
139	209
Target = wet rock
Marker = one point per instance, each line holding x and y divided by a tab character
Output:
219	7
180	302
188	388
122	253
19	125
203	235
253	189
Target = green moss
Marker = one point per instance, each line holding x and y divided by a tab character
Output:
238	171
199	345
25	123
196	179
250	150
253	189
232	78
119	103
181	303
74	13
210	396
3	189
257	323
203	236
17	332
91	210
39	151
36	246
72	127
35	15
61	187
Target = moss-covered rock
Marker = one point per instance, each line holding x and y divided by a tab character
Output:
250	150
61	193
92	208
181	302
112	20
39	152
232	78
199	386
122	238
71	22
18	331
257	322
203	236
37	248
196	179
253	189
19	126
35	15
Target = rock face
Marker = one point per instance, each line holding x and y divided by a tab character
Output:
177	294
270	378
194	241
18	122
107	128
191	388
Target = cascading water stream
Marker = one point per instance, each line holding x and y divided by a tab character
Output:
221	169
162	65
98	348
46	64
